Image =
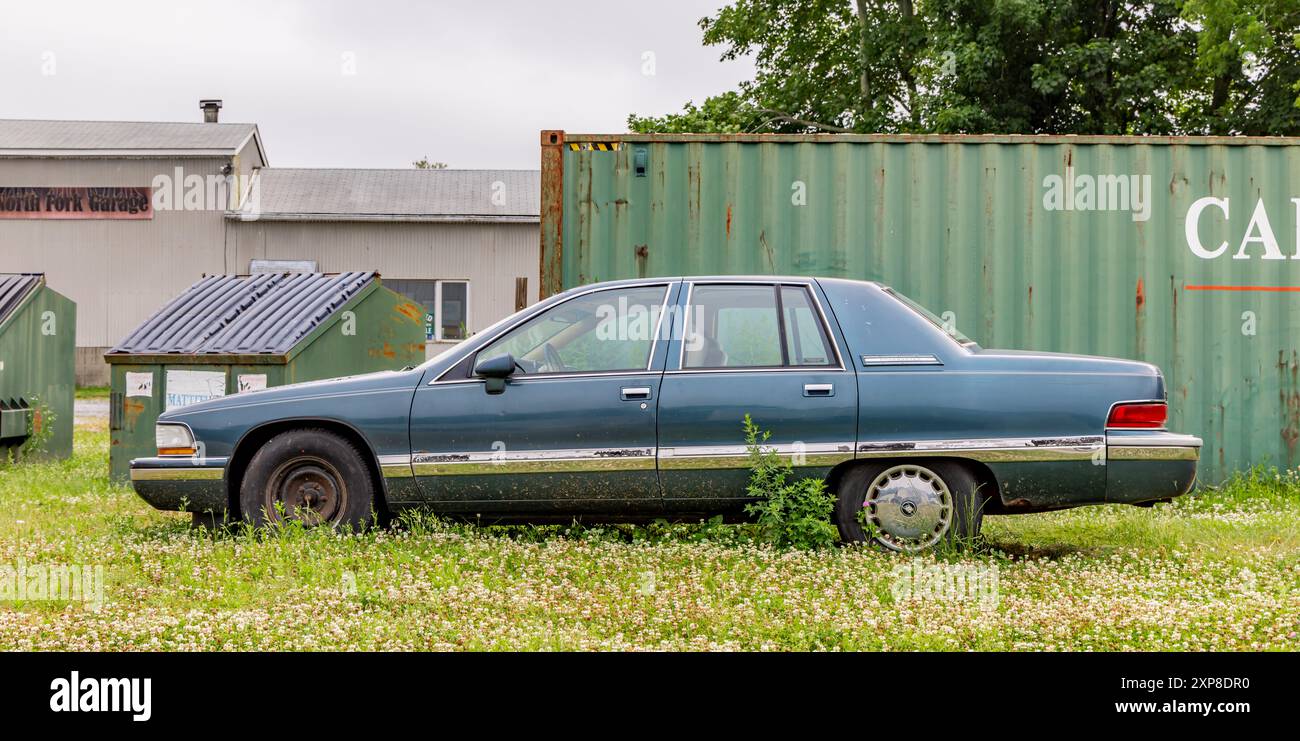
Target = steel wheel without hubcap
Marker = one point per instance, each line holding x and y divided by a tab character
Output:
910	508
310	489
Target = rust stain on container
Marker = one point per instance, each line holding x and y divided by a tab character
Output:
964	224
411	311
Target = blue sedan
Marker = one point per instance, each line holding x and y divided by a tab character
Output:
624	401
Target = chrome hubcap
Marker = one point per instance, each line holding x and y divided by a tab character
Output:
910	508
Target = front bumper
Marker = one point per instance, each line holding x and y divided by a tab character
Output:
1148	465
181	484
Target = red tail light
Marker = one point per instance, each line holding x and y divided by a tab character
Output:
1144	415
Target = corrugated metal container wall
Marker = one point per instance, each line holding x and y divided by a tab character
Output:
37	341
1189	260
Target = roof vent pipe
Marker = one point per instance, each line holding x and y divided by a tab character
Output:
210	110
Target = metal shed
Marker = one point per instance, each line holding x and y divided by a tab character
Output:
239	334
1181	251
37	368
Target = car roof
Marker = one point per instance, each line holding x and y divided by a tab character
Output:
717	279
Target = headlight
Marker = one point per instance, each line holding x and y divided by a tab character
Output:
173	439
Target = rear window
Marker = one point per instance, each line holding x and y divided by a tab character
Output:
947	328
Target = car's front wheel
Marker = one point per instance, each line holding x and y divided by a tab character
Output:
312	476
909	506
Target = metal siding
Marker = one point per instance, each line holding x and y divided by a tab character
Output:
118	272
320	194
959	224
490	256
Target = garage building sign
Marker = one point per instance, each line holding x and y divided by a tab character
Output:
75	203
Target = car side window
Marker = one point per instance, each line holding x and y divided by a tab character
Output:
804	334
610	330
741	326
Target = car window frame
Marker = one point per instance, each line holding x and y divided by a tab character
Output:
776	286
470	360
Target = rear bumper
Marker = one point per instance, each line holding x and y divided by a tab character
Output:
1143	466
188	484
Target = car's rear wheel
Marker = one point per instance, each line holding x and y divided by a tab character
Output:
311	476
909	506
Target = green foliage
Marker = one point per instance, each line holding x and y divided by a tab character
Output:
790	514
1179	67
40	430
1222	557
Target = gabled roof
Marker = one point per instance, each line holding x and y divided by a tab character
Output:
244	315
14	290
287	194
28	138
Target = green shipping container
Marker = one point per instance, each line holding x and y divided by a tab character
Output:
38	336
238	334
1184	252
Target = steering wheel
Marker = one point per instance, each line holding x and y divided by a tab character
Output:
553	361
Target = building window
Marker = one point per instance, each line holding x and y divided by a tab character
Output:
445	302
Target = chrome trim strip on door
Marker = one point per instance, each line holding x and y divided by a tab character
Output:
578	460
395	466
799	455
705	457
992	450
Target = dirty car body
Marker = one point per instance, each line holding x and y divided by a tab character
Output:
624	401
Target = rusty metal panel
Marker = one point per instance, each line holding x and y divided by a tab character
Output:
1181	251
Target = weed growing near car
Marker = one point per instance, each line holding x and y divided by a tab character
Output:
789	514
1218	570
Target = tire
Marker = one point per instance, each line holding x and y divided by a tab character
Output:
312	476
910	496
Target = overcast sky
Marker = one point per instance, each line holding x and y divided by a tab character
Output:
365	83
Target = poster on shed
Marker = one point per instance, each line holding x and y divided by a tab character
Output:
186	387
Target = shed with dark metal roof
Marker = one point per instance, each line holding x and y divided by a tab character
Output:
232	334
37	369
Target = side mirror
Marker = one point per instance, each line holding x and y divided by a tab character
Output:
495	371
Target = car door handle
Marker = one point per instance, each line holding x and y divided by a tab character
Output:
636	392
819	389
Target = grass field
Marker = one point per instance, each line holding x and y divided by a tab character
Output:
1218	570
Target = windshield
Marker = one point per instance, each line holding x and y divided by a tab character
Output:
948	328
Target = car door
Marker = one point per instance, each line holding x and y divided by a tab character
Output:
572	431
751	347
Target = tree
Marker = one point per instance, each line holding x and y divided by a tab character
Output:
1004	66
424	164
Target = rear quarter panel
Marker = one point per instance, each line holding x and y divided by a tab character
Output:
968	395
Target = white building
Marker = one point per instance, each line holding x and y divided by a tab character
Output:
464	243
